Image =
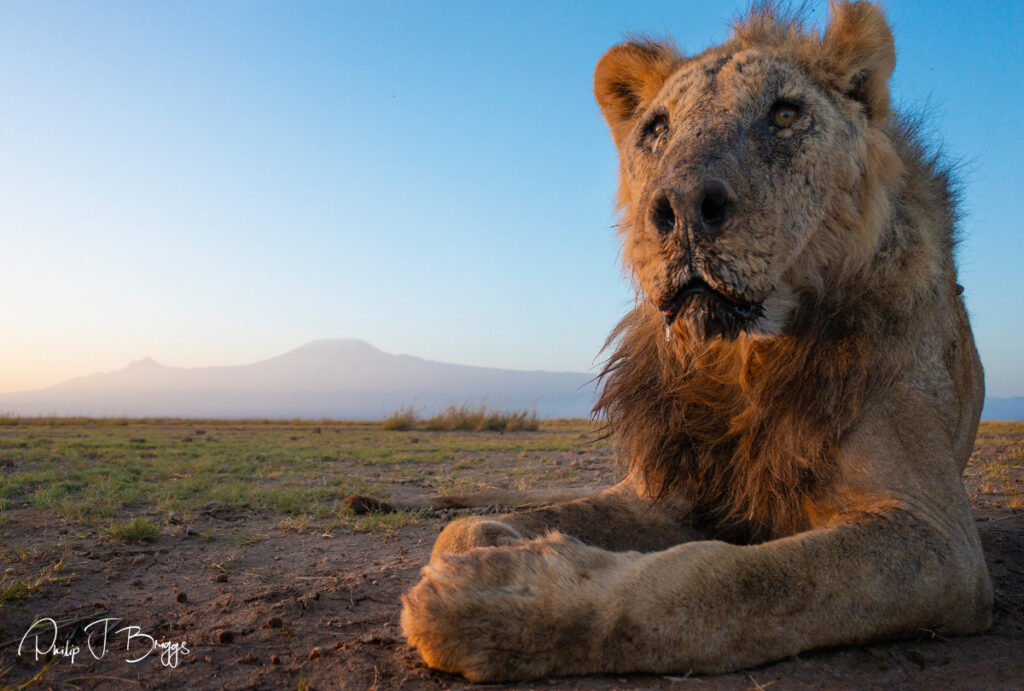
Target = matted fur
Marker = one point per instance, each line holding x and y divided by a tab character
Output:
793	397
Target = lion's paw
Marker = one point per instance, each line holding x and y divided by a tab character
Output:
521	611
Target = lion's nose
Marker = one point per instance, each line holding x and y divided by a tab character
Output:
704	208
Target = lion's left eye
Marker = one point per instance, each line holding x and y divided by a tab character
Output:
784	114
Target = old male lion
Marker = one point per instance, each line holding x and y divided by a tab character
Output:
795	396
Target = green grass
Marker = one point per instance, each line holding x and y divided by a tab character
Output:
373	521
137	530
102	473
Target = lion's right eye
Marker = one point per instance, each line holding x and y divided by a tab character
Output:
655	133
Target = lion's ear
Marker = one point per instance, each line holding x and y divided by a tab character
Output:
859	52
628	77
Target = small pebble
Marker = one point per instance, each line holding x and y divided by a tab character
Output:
225	636
181	597
221	578
315	653
274	623
275	660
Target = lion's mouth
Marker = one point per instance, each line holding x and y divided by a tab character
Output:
709	311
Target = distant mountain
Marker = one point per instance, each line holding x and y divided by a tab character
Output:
337	378
1003	409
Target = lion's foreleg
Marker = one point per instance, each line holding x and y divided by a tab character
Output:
618	519
556	606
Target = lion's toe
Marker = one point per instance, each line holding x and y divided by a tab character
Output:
467	533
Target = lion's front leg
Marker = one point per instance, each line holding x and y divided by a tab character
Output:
554	606
619	519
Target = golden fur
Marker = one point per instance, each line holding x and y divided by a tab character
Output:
794	396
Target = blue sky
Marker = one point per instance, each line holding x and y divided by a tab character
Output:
218	182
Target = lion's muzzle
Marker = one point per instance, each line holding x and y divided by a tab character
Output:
709	312
699	211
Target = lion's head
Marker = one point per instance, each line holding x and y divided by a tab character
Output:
745	168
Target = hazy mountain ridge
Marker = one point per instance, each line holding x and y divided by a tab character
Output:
336	378
333	378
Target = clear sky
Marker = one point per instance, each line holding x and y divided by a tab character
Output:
215	183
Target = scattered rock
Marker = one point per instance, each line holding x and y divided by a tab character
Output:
174	518
225	636
221	578
315	653
181	597
274	623
275	660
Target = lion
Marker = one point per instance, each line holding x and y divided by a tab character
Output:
794	396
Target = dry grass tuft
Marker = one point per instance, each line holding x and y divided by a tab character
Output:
401	419
464	418
480	419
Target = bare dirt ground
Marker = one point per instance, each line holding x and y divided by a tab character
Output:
293	608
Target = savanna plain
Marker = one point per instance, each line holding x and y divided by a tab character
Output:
229	543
